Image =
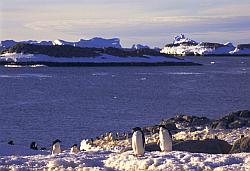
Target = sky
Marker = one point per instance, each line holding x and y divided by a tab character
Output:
150	22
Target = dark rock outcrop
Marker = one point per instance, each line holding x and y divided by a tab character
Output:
189	121
233	120
210	146
241	145
155	128
243	46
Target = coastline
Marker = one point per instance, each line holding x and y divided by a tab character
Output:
100	64
190	134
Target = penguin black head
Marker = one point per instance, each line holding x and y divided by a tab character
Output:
11	142
74	145
163	126
136	129
56	141
242	136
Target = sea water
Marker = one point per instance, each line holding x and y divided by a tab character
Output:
73	103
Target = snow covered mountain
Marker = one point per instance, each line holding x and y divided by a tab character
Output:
184	46
95	42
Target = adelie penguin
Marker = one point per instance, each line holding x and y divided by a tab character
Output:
138	142
74	149
11	142
56	148
165	139
33	146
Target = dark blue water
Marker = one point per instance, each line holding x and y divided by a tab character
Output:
43	104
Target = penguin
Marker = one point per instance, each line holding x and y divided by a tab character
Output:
33	146
138	142
110	136
11	142
165	139
74	149
56	148
92	141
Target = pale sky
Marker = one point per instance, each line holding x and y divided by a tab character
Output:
151	22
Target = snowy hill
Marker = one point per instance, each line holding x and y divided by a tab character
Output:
184	46
95	42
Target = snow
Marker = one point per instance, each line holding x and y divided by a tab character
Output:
18	57
15	150
195	48
103	160
139	46
178	161
105	156
198	50
182	39
94	42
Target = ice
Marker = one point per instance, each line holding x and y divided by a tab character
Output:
185	46
97	42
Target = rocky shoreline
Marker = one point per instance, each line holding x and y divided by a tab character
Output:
228	134
198	144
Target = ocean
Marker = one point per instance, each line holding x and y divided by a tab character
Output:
73	103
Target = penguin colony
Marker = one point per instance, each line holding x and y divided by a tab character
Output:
138	142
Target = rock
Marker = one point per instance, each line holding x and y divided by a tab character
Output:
192	129
245	114
148	147
233	120
210	146
237	124
152	147
220	124
241	145
151	129
170	126
189	121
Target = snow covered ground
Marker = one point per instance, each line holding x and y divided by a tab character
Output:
13	57
97	158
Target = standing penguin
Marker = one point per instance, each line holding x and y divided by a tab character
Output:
165	139
56	148
33	146
138	142
74	149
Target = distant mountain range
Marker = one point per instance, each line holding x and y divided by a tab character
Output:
184	46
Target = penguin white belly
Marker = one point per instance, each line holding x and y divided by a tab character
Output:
137	143
56	149
74	149
165	140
